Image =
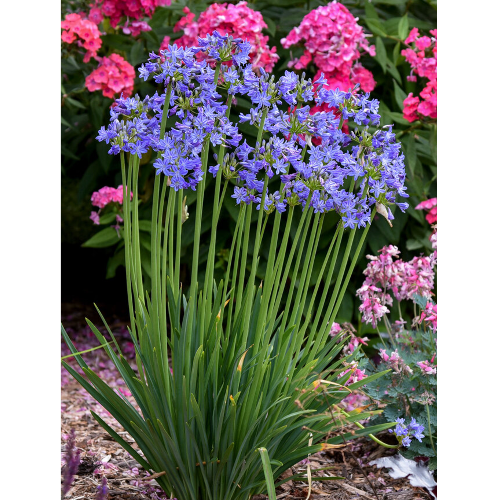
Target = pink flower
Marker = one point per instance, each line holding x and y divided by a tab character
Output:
364	77
107	195
134	10
412	36
335	329
94	217
333	41
113	76
228	19
427	368
422	57
410	107
82	31
429	316
431	206
356	375
403	279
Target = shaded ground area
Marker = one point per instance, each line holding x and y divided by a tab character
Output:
127	480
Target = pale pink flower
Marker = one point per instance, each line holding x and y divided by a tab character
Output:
94	217
427	368
335	329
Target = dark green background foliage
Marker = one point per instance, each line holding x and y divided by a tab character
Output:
86	166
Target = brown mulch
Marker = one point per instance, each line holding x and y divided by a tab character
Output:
127	480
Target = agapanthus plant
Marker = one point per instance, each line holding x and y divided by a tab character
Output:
227	376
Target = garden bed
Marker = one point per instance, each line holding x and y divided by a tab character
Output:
100	455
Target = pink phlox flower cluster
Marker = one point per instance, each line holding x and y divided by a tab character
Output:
114	75
384	274
84	31
238	21
107	195
430	206
333	41
103	197
427	368
422	57
116	10
134	28
429	315
395	361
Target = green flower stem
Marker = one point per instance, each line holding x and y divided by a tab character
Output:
293	291
336	297
430	430
236	238
215	215
312	335
224	189
178	239
166	106
171	261
380	335
328	281
162	306
244	254
310	260
157	214
126	233
282	278
241	218
247	230
199	213
263	310
298	337
279	263
154	262
353	265
253	271
338	282
388	328
385	445
256	374
135	228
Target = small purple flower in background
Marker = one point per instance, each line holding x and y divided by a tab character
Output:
404	433
72	461
102	490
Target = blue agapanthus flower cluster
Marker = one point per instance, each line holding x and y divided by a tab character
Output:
302	158
405	433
